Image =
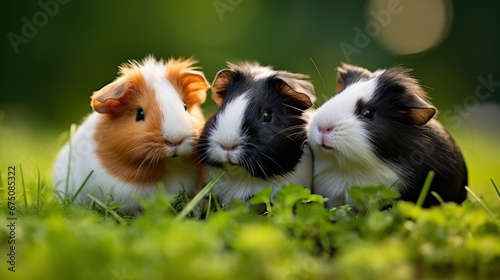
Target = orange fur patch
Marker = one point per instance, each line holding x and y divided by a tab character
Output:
130	150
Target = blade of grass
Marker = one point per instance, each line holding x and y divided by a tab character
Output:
192	204
426	187
81	187
480	201
438	197
106	208
218	208
495	186
1	176
172	208
60	197
72	130
23	186
3	191
38	190
209	205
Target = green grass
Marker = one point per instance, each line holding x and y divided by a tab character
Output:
297	239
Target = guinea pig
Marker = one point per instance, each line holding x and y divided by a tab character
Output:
379	129
258	135
142	133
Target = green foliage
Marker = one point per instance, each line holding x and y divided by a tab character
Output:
296	237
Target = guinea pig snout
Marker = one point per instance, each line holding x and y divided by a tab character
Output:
174	142
178	145
326	129
225	150
229	151
324	136
228	147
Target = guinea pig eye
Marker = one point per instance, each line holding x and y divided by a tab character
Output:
185	107
140	115
267	117
368	113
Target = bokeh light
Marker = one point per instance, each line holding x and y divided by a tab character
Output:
408	27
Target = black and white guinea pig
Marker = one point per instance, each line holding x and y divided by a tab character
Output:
379	129
258	135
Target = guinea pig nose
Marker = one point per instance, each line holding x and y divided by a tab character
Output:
174	143
325	129
229	147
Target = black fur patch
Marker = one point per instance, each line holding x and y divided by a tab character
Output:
272	147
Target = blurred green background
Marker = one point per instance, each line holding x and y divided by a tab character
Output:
55	53
78	45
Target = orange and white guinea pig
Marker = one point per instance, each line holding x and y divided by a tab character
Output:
142	133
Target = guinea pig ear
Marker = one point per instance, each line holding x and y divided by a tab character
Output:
419	110
195	86
187	81
349	74
297	87
220	84
110	98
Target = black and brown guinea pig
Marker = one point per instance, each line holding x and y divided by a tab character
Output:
258	135
379	129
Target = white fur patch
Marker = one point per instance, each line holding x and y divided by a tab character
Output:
228	131
351	160
176	125
262	72
348	138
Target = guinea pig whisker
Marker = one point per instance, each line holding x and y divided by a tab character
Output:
195	160
202	154
277	164
303	145
257	148
319	73
245	163
295	134
246	167
294	137
152	158
259	164
201	158
295	108
253	145
140	167
298	128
